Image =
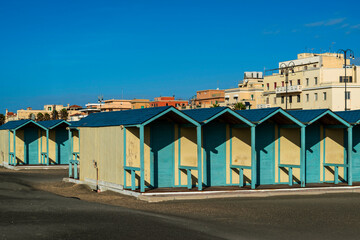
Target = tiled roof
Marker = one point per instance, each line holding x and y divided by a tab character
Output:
14	124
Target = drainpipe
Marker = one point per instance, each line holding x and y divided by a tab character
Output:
97	176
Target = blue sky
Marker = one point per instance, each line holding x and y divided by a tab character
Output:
71	51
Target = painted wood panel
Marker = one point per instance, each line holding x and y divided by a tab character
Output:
241	152
265	153
289	153
334	152
188	153
356	153
313	153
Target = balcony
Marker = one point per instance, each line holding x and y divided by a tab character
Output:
290	89
263	106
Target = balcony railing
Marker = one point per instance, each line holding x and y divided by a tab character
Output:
263	106
290	89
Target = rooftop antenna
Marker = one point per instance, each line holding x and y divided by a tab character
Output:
100	99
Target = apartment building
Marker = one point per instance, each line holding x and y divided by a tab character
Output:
169	101
249	91
207	98
314	81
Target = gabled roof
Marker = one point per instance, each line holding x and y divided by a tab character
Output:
129	117
203	114
52	123
206	115
350	116
14	125
261	115
256	115
306	116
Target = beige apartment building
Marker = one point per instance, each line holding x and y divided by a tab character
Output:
208	98
249	91
317	81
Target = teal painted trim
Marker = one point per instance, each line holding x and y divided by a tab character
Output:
124	155
31	121
336	165
47	147
179	153
283	113
128	168
133	125
290	165
240	166
336	175
230	154
204	159
302	157
335	126
324	153
71	147
172	109
10	156
279	154
74	162
198	135
142	167
345	123
253	159
288	126
349	160
188	167
14	142
227	110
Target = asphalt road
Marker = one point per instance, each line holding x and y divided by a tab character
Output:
28	213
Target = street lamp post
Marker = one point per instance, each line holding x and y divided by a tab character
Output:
285	69
350	53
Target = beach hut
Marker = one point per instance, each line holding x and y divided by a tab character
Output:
353	117
228	146
59	141
327	146
74	136
21	143
280	146
137	148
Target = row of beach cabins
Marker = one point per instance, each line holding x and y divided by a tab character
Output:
166	148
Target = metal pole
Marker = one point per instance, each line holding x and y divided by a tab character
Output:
345	81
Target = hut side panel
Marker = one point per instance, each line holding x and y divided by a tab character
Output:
334	152
265	153
241	152
289	153
19	139
313	153
4	146
52	147
105	147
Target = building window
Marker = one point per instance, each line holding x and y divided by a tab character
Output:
282	99
316	80
290	99
235	98
307	97
298	82
348	79
274	85
267	86
282	84
307	81
274	100
252	96
298	98
315	96
347	95
267	100
290	82
305	67
324	94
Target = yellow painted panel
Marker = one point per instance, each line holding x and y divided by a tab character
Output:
188	151
241	152
52	146
20	146
321	152
334	151
4	146
289	152
227	155
176	154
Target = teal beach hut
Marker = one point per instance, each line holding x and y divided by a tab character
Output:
280	146
328	146
59	141
228	147
20	143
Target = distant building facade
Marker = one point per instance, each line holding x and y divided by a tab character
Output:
140	103
249	91
169	101
316	82
208	98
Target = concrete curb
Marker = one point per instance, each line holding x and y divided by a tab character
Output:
171	196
